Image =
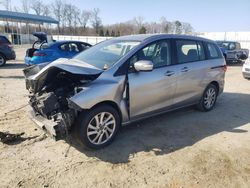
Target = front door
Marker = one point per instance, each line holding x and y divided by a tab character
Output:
153	90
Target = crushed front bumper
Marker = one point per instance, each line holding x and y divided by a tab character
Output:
55	129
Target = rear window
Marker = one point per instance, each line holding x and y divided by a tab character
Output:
4	40
212	51
189	51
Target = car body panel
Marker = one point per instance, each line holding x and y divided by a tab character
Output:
53	52
150	91
246	69
137	95
6	48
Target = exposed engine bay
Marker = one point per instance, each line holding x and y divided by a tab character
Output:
50	91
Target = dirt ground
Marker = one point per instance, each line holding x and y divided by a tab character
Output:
185	148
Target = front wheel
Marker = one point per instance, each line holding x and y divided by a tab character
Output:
208	98
97	127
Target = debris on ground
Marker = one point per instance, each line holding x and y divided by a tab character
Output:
8	138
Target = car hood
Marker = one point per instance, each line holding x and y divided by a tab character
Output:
38	76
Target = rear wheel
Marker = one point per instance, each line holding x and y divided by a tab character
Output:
2	60
97	127
208	99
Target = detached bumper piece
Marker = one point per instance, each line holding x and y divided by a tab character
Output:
57	129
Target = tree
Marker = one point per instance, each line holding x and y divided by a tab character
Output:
187	28
96	20
6	4
57	8
142	30
101	33
76	16
107	33
25	6
139	21
84	18
112	33
37	6
178	27
118	34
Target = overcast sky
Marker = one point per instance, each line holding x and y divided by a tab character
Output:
203	15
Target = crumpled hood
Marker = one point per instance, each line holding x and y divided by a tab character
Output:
37	78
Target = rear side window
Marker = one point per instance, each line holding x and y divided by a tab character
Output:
4	40
189	51
213	51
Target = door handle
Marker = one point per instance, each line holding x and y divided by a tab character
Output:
169	73
184	69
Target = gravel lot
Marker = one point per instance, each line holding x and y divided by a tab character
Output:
185	148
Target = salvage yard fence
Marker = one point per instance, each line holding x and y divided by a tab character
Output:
89	39
242	37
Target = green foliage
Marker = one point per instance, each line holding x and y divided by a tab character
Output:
142	30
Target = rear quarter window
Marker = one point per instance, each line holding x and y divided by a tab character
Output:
189	51
213	51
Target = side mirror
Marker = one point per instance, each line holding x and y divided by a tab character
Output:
143	65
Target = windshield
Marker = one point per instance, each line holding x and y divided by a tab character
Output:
105	54
223	44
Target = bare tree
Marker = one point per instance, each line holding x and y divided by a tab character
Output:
139	21
46	10
37	6
84	18
178	27
76	15
96	20
57	8
25	6
6	4
187	28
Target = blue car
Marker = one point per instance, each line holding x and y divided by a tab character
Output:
48	52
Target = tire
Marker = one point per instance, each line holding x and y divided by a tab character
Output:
87	128
2	60
208	99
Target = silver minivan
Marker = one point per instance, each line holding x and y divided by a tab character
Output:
122	80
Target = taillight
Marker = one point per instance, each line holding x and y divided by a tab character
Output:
39	54
225	68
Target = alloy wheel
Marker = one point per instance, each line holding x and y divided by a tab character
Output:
210	98
101	128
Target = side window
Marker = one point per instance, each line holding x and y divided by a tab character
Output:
189	51
69	47
65	47
73	47
159	53
213	52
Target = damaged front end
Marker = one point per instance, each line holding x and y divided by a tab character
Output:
50	89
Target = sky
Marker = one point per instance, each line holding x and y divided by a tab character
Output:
203	15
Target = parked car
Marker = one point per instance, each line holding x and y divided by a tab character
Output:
246	69
6	50
123	80
48	52
232	51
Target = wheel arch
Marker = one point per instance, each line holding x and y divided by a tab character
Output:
110	103
216	84
2	54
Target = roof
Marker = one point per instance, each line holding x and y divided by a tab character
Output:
229	41
142	37
18	16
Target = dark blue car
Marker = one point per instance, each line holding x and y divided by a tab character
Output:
48	52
